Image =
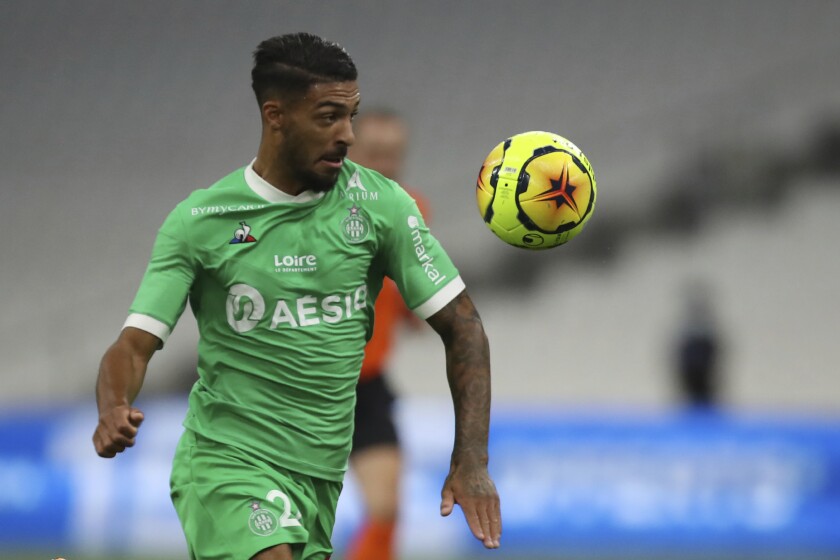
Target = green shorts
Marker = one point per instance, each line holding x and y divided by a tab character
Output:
233	505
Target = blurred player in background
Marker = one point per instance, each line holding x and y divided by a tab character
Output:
698	348
281	261
376	461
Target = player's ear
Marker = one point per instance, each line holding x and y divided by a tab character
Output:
272	114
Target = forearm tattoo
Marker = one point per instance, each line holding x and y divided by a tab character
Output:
468	372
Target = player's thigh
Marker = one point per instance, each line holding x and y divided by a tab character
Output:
377	471
279	552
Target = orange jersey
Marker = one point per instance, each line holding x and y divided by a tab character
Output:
389	311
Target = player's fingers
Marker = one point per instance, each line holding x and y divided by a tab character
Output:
127	430
490	513
484	523
136	417
447	501
97	444
106	449
491	522
496	522
125	437
115	445
109	452
117	440
473	519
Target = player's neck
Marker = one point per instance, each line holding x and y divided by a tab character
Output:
274	173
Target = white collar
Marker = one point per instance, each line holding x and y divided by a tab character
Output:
269	192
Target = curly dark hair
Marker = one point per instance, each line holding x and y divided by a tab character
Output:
288	65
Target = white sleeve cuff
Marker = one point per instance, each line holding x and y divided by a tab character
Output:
440	299
150	325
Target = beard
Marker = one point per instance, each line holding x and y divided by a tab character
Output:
319	183
299	163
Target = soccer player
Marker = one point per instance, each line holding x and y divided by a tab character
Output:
375	458
281	261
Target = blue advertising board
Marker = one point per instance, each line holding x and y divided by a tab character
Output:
611	484
699	483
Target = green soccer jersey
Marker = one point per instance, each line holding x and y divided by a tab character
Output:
283	289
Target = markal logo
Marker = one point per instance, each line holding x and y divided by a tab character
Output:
243	235
423	257
295	263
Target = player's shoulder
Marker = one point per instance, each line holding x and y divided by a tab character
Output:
362	184
230	184
230	190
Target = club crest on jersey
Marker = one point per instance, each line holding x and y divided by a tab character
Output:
355	227
262	521
243	235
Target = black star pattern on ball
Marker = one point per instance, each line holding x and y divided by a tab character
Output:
561	191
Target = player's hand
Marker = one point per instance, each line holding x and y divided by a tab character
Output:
473	490
116	430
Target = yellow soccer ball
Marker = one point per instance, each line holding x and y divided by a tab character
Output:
536	190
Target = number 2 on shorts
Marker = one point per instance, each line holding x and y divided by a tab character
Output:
286	520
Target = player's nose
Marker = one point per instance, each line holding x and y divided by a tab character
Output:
345	132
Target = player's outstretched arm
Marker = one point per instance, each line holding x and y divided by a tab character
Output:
121	375
468	371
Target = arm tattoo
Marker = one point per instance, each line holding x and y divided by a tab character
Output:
468	372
